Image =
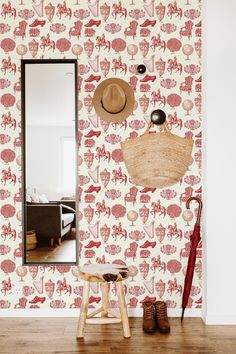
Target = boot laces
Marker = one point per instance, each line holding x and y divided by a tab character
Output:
162	311
149	312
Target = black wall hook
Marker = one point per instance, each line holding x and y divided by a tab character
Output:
158	117
141	68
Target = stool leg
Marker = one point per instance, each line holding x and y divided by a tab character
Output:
83	310
105	299
123	309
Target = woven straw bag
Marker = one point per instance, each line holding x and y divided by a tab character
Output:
157	160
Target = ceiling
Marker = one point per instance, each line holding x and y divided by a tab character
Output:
50	94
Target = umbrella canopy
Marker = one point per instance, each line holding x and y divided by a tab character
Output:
195	238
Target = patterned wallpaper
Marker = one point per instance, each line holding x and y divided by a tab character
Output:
119	222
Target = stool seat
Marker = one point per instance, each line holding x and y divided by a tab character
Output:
103	273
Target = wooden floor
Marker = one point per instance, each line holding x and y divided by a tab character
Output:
64	253
57	335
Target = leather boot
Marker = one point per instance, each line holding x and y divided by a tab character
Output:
149	316
162	322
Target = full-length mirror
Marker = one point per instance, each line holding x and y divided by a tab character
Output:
49	125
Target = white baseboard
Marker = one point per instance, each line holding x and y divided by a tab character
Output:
220	320
208	319
75	313
171	312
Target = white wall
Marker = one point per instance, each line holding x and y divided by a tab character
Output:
43	159
220	162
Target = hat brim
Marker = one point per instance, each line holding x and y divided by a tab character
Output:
128	108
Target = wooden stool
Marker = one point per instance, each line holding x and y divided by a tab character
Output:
103	273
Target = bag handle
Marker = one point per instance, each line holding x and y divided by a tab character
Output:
151	124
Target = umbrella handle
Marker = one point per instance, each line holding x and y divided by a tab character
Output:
199	207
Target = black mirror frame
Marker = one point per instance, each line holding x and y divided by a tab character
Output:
23	120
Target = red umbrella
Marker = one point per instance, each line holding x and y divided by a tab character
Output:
195	238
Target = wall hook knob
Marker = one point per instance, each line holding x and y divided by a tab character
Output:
158	117
141	69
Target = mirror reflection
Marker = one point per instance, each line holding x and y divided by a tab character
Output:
50	161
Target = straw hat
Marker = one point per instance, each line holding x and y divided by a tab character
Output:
113	100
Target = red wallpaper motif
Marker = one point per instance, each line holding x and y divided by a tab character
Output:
118	220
